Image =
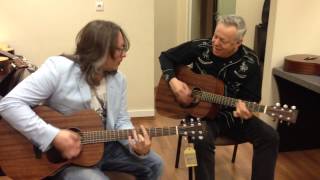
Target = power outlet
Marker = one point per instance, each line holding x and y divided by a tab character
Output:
99	5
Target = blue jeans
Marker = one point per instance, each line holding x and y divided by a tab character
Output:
117	158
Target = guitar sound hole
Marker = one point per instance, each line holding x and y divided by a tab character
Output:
195	100
54	156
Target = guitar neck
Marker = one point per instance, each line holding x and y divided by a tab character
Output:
9	55
17	61
228	101
90	137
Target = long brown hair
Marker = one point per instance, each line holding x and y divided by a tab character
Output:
95	40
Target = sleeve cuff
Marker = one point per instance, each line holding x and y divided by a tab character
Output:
168	75
51	133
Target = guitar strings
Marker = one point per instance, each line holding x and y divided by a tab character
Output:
88	137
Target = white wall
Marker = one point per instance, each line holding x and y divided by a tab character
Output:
165	28
251	11
293	28
38	29
171	28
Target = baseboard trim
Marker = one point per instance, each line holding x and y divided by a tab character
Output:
142	113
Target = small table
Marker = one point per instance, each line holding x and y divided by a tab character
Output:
302	91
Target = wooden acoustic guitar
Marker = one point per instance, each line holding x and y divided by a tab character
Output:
19	159
207	92
302	64
17	62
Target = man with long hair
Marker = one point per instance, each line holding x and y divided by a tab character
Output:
87	79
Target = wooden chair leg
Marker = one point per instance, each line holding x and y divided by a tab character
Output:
178	152
234	153
190	173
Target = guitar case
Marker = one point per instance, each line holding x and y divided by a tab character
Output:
302	64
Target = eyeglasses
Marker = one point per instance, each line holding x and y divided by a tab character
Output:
121	50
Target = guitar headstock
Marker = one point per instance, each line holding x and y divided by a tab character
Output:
193	127
284	113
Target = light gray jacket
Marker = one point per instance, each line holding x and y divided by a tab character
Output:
58	83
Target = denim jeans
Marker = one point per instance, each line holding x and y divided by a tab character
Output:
117	158
264	138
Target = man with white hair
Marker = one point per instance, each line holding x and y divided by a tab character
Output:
226	58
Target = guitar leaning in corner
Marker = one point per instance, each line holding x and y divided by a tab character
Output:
19	159
207	92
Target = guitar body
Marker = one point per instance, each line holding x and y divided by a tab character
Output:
302	64
167	105
17	155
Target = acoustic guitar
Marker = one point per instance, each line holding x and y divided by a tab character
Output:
19	159
17	62
207	92
302	64
4	66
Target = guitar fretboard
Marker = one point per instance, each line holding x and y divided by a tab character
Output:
227	101
90	137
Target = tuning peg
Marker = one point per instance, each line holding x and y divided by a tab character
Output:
193	138
280	116
185	133
193	132
198	119
200	132
183	122
288	123
200	137
191	120
285	106
278	104
293	107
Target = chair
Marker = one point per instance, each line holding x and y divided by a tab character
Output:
220	141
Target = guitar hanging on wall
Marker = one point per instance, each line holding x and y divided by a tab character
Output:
207	92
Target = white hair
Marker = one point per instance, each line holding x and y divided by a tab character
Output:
236	21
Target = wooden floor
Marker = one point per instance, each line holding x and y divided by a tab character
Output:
299	165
